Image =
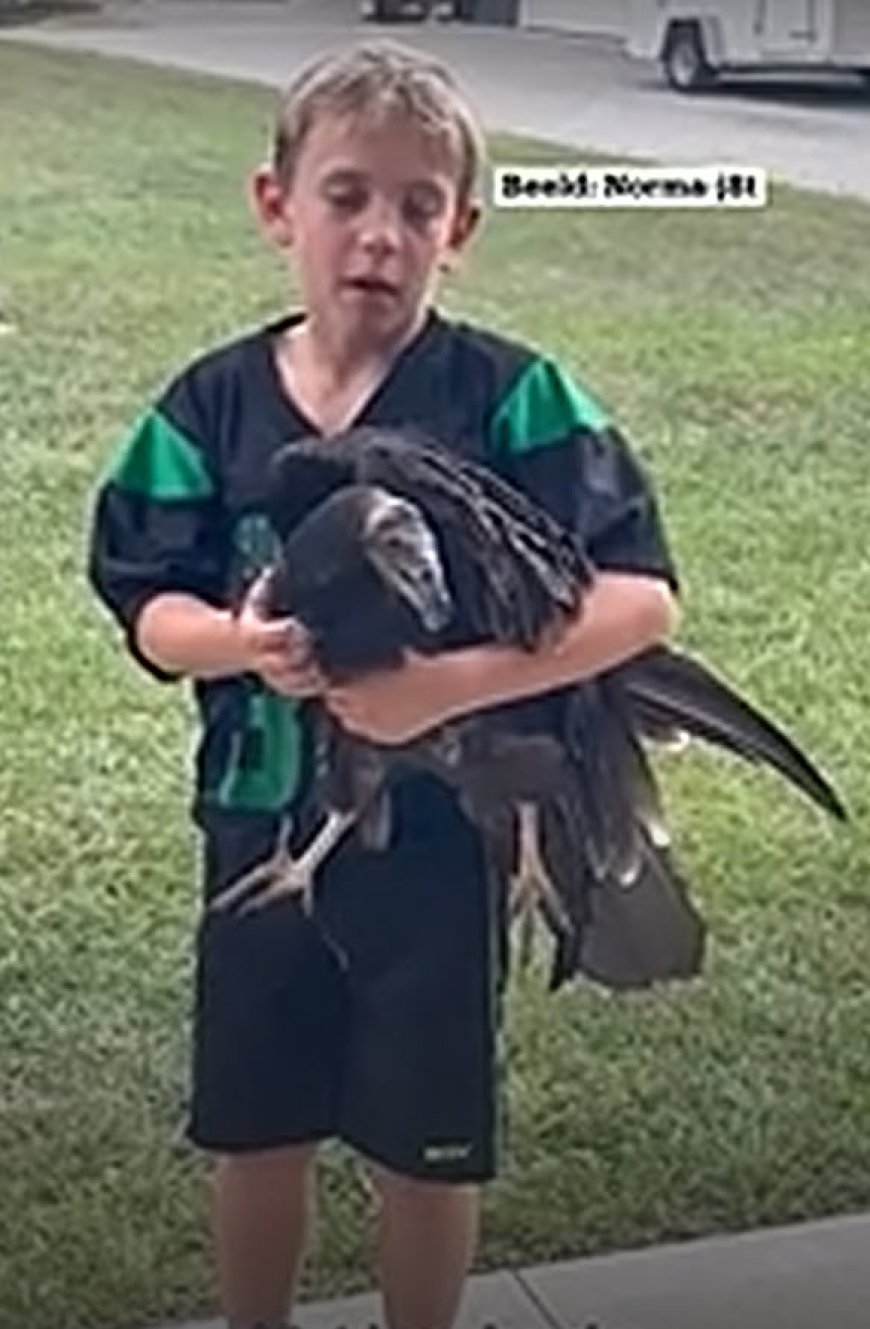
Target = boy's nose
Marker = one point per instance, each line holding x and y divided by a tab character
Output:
381	226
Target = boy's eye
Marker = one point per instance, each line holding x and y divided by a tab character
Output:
423	205
345	197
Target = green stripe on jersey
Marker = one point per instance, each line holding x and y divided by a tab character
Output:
159	462
542	407
266	758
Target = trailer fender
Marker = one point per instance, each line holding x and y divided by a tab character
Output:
691	52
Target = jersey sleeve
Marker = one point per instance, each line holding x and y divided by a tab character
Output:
156	519
556	443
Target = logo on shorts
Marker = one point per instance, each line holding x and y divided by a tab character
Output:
448	1152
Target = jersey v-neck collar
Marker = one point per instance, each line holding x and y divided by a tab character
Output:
394	381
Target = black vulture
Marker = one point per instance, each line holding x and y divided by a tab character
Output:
390	543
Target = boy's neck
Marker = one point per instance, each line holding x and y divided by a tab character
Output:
343	358
330	377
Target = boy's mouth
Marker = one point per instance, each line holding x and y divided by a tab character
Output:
376	286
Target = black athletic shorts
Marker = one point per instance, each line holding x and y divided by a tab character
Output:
376	1020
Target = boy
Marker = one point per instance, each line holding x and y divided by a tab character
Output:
387	1038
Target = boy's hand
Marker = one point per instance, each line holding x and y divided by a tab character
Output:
394	706
277	649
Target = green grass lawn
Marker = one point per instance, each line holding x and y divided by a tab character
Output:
735	350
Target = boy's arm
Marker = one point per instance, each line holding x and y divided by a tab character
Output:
179	634
622	614
156	527
160	555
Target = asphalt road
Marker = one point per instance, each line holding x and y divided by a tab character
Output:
583	92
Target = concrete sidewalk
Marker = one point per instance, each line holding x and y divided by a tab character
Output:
812	1276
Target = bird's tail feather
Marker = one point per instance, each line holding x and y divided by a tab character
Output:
622	935
648	932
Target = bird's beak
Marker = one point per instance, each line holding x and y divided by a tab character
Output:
414	571
436	608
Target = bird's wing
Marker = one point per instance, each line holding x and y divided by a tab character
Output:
634	921
605	838
520	570
665	689
301	475
614	785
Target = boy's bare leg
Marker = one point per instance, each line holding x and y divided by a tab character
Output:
262	1208
427	1239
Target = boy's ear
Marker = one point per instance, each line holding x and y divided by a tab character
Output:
271	206
465	223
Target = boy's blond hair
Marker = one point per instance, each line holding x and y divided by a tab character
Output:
378	81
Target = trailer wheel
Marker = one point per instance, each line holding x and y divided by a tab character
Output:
684	59
392	11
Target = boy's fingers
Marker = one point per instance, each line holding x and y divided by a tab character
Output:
290	641
256	599
298	638
281	645
256	603
295	682
275	635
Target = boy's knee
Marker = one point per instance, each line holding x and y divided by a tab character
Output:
401	1187
283	1161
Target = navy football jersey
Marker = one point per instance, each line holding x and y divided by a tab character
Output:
182	509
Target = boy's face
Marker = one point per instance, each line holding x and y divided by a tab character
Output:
372	215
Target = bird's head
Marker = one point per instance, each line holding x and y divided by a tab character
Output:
401	547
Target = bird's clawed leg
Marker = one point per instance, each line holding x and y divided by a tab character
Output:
282	874
531	886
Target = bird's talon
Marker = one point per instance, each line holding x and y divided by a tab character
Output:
245	885
278	891
265	884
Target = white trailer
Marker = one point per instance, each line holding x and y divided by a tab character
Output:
696	40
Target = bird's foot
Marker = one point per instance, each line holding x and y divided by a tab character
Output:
532	889
283	875
278	876
522	909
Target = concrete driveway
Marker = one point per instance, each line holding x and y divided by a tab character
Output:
583	92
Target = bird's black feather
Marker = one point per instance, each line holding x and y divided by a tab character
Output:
512	566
